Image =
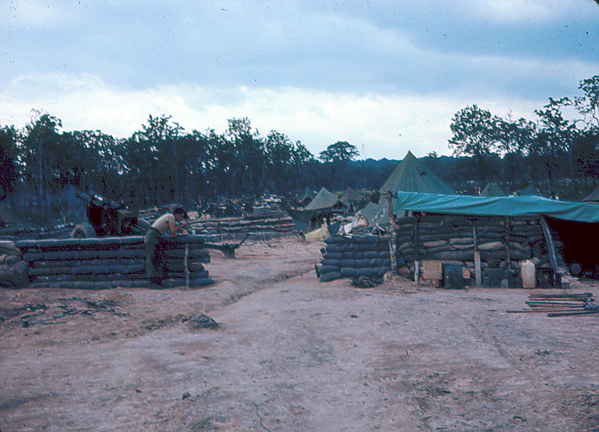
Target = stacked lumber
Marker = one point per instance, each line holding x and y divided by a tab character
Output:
556	305
355	256
274	224
109	262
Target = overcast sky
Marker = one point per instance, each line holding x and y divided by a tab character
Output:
387	76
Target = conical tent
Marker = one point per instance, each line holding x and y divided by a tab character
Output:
322	204
492	190
528	190
411	175
351	196
308	193
323	200
594	197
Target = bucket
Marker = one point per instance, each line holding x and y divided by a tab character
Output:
528	274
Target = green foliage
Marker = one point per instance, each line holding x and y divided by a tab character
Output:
341	151
8	160
162	163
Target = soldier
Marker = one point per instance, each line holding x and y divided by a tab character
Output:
167	222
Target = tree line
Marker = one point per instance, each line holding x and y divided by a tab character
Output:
162	163
558	151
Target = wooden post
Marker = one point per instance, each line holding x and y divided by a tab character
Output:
507	243
478	275
186	264
393	241
416	249
550	245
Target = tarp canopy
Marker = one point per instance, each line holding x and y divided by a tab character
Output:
492	190
323	200
529	206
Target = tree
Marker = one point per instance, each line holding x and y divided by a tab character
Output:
152	162
588	105
555	138
514	139
41	157
475	134
341	151
9	173
250	160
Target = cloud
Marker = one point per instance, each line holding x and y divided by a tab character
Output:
318	71
383	126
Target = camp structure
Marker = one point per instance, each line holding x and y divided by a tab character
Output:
306	196
593	197
411	175
354	199
321	208
503	231
492	190
529	190
456	240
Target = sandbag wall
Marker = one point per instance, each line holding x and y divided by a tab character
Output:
502	242
109	262
269	225
355	256
24	232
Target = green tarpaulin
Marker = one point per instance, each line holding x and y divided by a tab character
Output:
529	206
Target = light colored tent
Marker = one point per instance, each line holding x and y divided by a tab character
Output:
492	190
322	203
323	200
528	190
411	175
351	196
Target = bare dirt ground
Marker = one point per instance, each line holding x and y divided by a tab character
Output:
293	354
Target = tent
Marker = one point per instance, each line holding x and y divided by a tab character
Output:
322	204
351	196
411	175
593	197
324	200
492	190
529	190
306	196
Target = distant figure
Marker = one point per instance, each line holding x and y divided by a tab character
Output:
248	208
